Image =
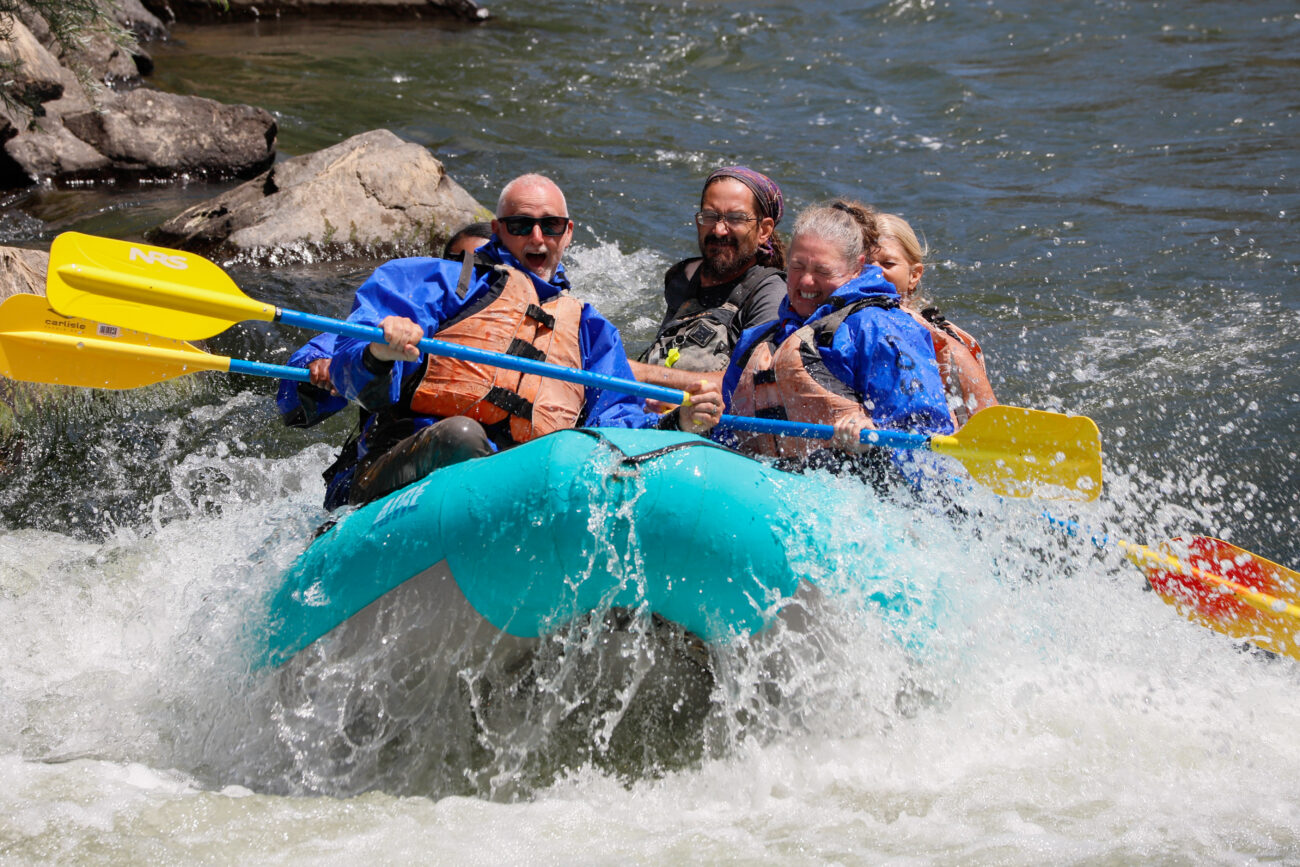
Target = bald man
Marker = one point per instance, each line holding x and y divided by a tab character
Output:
510	295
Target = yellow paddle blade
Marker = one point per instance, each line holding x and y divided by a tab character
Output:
1225	588
1020	452
39	345
155	289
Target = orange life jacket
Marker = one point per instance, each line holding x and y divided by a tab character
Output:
941	331
942	334
511	319
792	382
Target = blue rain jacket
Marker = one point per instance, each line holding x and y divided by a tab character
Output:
882	354
302	404
424	291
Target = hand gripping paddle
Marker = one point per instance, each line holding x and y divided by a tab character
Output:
1016	452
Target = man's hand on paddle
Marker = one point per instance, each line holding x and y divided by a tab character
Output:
319	371
401	339
704	410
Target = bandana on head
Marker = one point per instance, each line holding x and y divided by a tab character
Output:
766	193
765	190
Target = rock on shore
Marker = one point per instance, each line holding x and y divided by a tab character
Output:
371	195
22	270
69	134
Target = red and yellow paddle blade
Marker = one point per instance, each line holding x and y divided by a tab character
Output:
39	345
153	289
1021	452
1227	589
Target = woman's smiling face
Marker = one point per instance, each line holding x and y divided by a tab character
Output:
815	268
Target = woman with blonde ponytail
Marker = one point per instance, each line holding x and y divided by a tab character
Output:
895	250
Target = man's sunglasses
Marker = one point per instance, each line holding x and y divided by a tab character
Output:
521	226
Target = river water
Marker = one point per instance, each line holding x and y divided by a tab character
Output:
1109	194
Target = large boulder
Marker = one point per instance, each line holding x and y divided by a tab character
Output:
47	151
22	270
42	149
135	17
141	134
371	195
54	131
37	76
110	63
97	55
152	133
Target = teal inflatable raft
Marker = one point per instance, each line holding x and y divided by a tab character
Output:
511	548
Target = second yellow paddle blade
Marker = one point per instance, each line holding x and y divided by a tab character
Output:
1028	452
39	345
1227	589
152	289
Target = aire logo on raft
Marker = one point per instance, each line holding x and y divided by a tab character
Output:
158	257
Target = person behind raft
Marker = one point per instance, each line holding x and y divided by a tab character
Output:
511	296
961	361
735	283
841	352
307	404
895	250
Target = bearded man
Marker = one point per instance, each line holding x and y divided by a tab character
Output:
736	283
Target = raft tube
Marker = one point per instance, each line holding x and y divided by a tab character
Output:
520	544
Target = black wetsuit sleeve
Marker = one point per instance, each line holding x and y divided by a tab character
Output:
670	420
309	408
375	395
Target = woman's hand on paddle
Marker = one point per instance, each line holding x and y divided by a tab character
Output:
401	339
848	435
704	410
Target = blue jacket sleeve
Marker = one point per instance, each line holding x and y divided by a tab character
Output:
416	288
302	404
888	358
602	352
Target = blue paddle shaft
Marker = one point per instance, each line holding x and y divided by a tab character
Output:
275	371
779	427
375	334
890	439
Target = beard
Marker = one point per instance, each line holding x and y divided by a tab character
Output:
726	257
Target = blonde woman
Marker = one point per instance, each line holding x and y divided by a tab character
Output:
897	252
961	361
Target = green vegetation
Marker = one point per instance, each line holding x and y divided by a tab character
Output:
71	23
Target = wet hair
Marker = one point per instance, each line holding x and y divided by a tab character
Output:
473	230
833	225
531	179
894	226
866	218
773	253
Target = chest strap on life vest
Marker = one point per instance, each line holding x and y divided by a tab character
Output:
788	379
504	398
523	349
508	317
